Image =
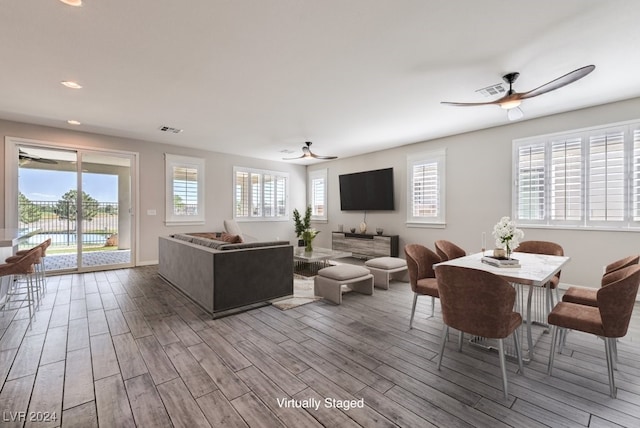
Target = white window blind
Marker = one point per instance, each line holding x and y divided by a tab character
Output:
566	180
318	194
531	182
635	175
184	187
426	188
588	178
260	195
606	177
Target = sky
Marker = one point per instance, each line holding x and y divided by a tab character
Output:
43	185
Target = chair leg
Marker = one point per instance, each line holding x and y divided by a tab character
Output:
433	306
608	348
460	339
443	341
503	368
413	309
614	348
516	342
562	340
554	337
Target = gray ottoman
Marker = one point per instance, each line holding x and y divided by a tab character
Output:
385	268
329	281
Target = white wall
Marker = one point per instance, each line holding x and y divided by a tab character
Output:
218	186
478	191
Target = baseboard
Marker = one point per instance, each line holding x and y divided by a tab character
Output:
147	263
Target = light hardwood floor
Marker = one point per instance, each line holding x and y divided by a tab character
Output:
121	348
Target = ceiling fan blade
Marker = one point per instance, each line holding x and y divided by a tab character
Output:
323	157
22	155
297	157
470	104
559	82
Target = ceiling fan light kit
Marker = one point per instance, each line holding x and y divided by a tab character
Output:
512	100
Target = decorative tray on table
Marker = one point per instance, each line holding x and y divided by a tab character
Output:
501	262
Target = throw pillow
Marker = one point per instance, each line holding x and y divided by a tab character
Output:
232	239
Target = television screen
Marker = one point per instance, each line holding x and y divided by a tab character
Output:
367	191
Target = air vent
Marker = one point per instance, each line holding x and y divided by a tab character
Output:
493	90
286	151
170	129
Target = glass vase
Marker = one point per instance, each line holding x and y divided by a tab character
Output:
308	245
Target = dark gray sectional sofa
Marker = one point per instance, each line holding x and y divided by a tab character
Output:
225	278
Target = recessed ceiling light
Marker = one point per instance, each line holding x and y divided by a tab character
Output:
73	122
72	2
71	84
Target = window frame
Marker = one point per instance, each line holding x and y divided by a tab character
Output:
260	198
588	138
177	161
318	174
428	157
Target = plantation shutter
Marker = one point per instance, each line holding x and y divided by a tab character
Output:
425	185
606	177
566	180
185	191
531	182
318	192
635	176
242	194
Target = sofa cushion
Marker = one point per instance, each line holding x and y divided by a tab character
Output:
343	272
183	237
258	244
208	235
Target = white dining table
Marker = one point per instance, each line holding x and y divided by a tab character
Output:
534	272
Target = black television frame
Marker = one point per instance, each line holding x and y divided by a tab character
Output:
367	190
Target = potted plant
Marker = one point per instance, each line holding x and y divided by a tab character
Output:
304	232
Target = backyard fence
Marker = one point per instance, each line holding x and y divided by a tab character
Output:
59	221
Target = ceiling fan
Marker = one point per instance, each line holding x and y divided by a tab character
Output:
308	154
512	100
25	158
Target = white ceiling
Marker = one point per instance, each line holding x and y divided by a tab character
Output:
255	77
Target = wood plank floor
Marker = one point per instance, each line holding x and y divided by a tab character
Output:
122	348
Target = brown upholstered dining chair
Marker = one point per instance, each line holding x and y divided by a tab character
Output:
447	250
587	296
479	303
547	248
609	320
420	261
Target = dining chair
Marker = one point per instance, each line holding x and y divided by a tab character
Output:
587	296
21	284
550	249
479	303
609	320
420	261
447	250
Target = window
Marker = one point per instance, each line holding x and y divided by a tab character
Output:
318	194
426	188
587	179
184	199
260	195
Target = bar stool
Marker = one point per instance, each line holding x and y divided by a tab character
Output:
21	285
41	271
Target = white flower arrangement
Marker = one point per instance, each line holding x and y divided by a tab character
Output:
507	235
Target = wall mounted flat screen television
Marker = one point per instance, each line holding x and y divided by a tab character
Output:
367	191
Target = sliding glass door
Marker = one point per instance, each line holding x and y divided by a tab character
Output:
82	200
